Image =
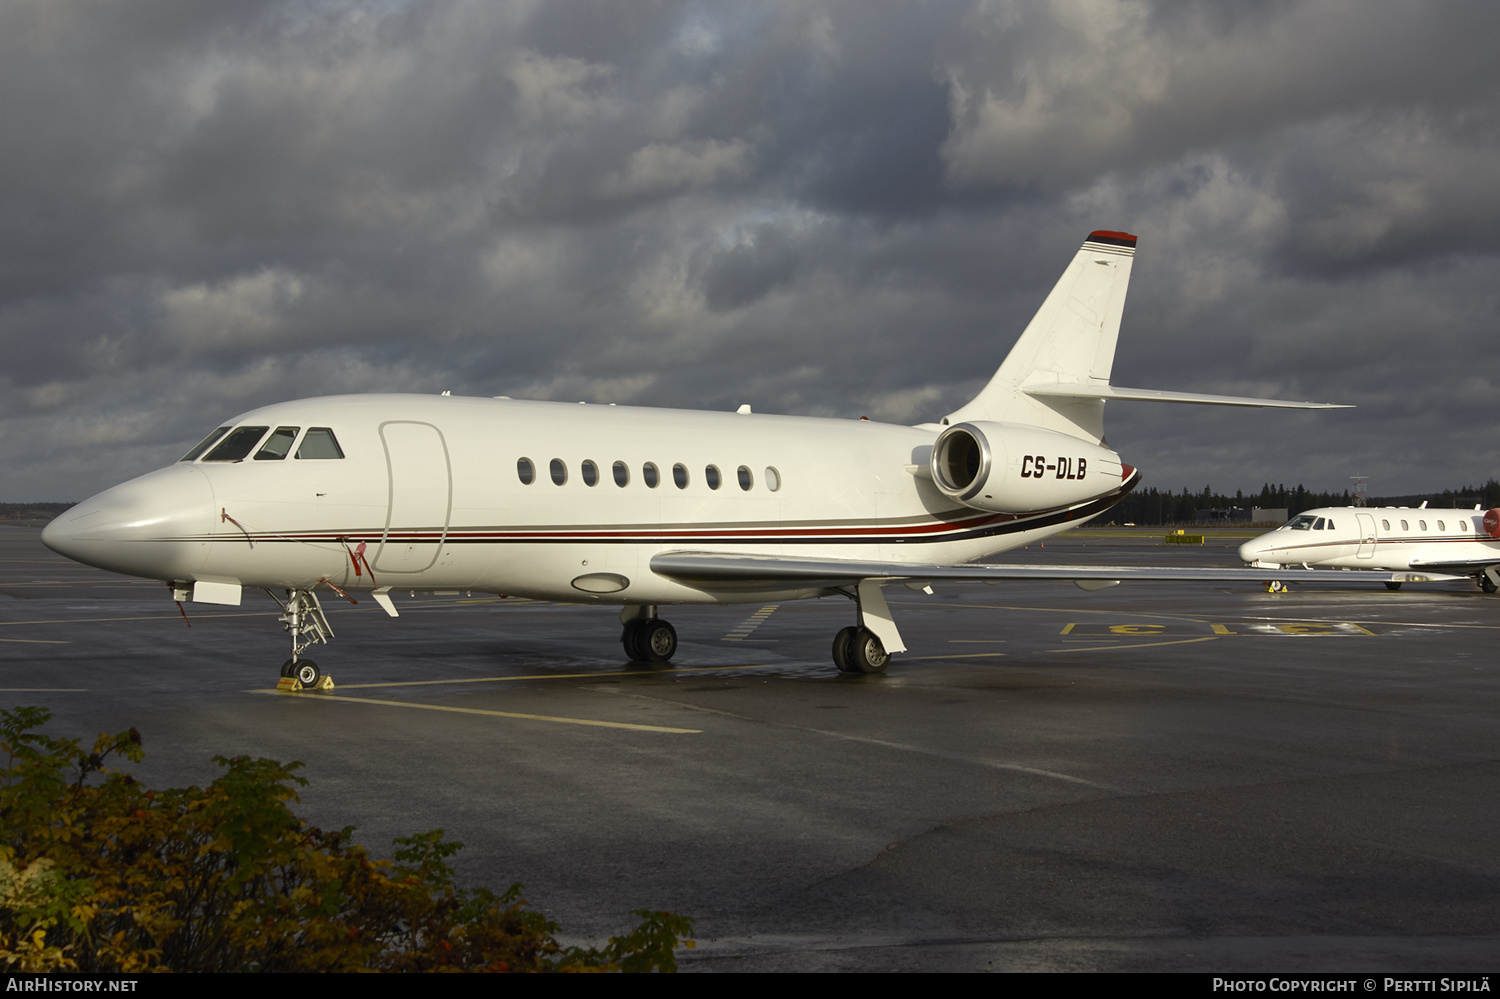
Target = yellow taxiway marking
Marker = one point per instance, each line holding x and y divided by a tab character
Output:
966	655
664	671
742	630
507	714
142	617
37	641
1139	645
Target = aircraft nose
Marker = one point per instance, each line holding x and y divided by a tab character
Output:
1250	550
155	526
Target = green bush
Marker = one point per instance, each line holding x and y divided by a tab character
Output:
100	874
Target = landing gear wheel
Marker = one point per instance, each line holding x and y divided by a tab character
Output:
841	643
1486	584
306	672
289	668
658	640
1391	584
630	638
866	654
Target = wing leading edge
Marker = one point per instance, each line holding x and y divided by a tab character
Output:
712	568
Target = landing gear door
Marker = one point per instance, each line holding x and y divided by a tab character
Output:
421	497
1366	535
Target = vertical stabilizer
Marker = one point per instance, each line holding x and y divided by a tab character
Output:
1070	341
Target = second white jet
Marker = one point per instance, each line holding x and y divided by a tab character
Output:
1432	543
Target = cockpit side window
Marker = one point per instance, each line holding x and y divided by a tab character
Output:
319	443
278	445
1318	525
240	442
204	444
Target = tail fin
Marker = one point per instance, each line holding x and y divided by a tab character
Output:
1070	342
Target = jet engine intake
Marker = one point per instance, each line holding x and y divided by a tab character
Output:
1009	468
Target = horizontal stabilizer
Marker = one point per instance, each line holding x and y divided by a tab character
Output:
1106	391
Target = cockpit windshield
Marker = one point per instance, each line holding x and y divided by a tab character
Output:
1303	522
204	444
237	445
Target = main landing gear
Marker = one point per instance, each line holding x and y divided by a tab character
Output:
866	647
857	650
302	617
647	638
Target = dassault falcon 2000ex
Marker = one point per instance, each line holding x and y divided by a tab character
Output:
641	508
1416	543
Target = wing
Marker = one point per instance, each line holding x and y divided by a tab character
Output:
1464	567
714	569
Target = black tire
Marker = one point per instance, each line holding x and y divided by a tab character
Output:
658	641
866	654
841	649
306	672
1391	584
289	668
630	638
1486	584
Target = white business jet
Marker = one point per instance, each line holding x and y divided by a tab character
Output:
1429	544
642	508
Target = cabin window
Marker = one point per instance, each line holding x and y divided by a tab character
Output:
679	475
1385	525
650	475
1441	526
278	445
204	444
237	445
622	474
1421	525
711	476
746	479
1404	527
525	471
319	443
590	473
1463	526
559	471
773	479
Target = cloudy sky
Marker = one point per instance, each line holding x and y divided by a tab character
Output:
836	209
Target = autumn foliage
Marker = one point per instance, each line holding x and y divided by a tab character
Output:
100	874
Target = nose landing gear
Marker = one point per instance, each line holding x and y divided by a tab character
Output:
302	617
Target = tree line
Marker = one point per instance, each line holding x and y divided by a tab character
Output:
1155	507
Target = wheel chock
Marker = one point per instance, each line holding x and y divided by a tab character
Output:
292	685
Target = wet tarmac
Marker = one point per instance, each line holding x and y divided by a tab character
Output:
1149	777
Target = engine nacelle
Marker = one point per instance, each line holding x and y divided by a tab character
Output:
1007	468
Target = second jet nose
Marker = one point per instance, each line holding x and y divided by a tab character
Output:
155	526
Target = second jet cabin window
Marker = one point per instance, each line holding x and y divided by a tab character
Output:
559	471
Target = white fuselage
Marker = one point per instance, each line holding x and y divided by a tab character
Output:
1376	538
430	487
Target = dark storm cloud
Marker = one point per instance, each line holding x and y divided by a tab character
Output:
833	208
